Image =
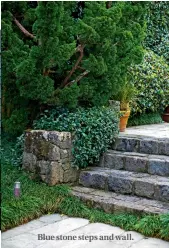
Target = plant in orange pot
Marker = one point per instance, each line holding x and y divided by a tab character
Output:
125	95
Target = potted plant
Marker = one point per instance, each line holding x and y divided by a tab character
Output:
124	96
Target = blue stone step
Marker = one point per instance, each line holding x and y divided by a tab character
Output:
126	182
138	162
142	144
112	202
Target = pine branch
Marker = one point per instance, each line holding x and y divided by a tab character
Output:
80	49
26	32
78	78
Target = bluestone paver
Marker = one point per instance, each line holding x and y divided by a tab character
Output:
154	130
32	225
75	227
61	227
51	218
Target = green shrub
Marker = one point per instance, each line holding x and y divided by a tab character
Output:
151	78
93	129
145	119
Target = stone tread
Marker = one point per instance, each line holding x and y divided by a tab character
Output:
141	137
142	144
149	156
112	202
126	182
154	131
138	162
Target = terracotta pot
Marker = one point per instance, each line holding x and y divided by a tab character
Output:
167	110
165	117
124	120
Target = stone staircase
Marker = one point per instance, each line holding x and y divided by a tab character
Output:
132	177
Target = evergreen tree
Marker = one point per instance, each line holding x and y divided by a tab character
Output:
66	53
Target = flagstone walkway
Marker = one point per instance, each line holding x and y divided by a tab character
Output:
152	131
75	233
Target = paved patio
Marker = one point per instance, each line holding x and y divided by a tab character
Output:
154	131
84	234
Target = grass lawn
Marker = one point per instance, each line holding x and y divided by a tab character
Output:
37	199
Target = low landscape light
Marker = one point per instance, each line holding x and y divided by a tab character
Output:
17	189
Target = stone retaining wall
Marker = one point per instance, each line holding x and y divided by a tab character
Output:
47	154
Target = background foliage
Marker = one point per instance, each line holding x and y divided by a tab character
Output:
157	38
151	79
144	119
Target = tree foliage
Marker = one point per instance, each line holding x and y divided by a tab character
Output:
66	53
158	28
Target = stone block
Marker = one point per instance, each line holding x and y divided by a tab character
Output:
84	179
158	167
162	192
49	156
162	147
28	142
132	145
148	146
144	188
71	175
113	161
94	180
43	167
61	139
137	164
167	148
54	153
120	185
127	144
56	174
29	161
119	144
98	181
64	153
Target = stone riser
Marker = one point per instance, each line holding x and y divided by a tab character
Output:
142	145
115	203
152	164
125	182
